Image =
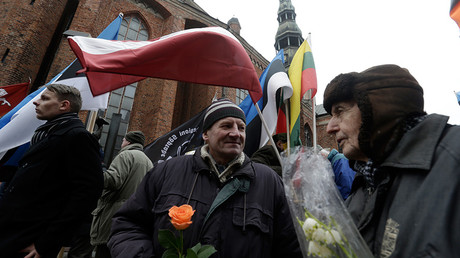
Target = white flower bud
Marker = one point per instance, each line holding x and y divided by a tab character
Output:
333	237
309	226
316	249
320	235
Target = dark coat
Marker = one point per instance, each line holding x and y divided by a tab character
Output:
267	155
415	209
58	182
252	224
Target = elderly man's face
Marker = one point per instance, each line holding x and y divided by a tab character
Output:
345	124
226	139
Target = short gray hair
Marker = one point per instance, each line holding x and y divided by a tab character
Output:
65	92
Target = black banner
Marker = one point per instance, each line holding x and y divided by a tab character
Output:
177	142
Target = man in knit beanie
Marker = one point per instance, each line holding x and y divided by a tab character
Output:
226	139
406	194
135	137
239	206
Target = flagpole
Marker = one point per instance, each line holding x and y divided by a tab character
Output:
91	120
313	108
287	128
268	132
313	104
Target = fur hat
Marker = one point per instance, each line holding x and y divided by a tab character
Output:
386	95
220	109
135	137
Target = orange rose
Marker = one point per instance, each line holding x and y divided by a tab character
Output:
181	217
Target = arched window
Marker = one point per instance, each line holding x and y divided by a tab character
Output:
132	28
121	100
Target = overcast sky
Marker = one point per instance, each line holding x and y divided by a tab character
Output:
353	35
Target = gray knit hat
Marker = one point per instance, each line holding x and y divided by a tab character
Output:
135	137
220	109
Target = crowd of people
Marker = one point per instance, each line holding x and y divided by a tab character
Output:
397	171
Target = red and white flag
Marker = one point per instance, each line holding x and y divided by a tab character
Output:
11	95
211	56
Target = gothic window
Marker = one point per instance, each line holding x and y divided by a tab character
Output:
121	100
132	28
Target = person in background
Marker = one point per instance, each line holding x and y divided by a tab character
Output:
405	198
240	206
57	183
121	179
343	174
266	155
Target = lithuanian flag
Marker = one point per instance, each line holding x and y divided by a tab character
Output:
302	74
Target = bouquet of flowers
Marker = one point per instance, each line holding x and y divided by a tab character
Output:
323	225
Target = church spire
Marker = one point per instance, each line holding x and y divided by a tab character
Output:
288	36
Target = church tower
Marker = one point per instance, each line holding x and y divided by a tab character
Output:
288	36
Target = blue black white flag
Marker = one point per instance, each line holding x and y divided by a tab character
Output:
273	78
18	125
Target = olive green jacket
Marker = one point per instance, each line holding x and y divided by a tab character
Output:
120	181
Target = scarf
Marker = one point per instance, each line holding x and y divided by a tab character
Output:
368	169
44	130
223	172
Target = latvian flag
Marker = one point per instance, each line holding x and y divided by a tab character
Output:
211	56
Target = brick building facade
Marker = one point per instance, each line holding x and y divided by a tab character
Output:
323	139
33	45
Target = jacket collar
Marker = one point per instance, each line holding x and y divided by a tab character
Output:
133	146
59	131
417	147
244	167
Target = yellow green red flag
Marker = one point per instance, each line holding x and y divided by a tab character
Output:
302	75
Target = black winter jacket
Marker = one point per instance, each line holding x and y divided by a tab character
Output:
415	209
253	222
56	186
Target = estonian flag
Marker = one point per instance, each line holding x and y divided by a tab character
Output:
273	78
